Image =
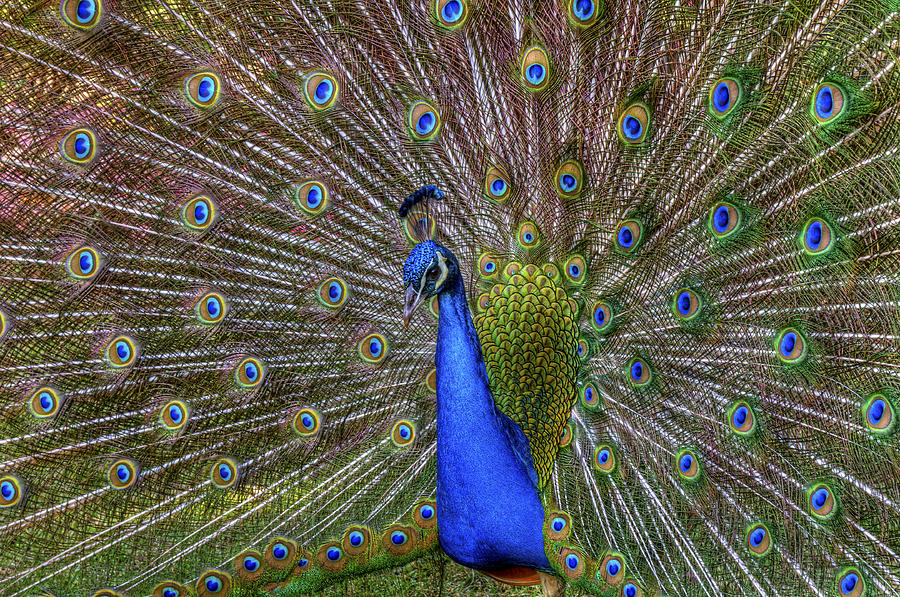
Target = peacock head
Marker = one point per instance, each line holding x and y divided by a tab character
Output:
429	270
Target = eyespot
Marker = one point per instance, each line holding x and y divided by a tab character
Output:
828	103
821	501
248	565
551	271
321	90
419	227
425	514
566	436
398	540
211	308
639	372
512	268
213	583
851	583
633	124
535	68
759	540
632	589
169	589
332	292
724	219
331	557
373	348
120	352
451	14
686	304
602	316
791	346
878	414
742	419
302	565
356	541
590	397
497	185
306	422
83	263
604	458
173	415
78	146
583	13
817	237
569	179
202	89
311	196
581	349
611	569
198	213
628	235
724	96
528	235
44	403
279	553
122	474
11	491
81	14
423	120
575	270
573	562
687	465
488	266
403	433
224	473
558	526
249	372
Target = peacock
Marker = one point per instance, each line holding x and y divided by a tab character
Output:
602	295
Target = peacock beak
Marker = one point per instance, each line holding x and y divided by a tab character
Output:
414	298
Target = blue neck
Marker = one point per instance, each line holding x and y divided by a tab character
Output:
490	514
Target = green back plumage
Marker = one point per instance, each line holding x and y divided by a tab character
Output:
201	346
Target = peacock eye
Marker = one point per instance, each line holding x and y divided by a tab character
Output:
432	274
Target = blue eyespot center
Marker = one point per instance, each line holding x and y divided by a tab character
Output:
82	145
684	303
824	102
375	347
122	472
279	551
426	123
307	421
588	394
356	538
740	416
721	97
206	89
528	237
426	512
788	342
86	262
626	238
876	411
535	73
603	456
201	212
583	9
398	537
630	590
333	554
314	196
819	497
631	127
612	567
452	11
599	317
685	463
637	370
250	564
757	536
212	307
85	11
324	91
721	218
404	431
848	583
814	235
46	401
498	187
170	592
122	350
572	561
213	584
175	414
558	524
251	371
567	182
303	562
224	472
7	490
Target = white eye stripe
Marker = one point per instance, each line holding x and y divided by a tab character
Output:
445	271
